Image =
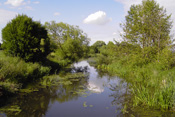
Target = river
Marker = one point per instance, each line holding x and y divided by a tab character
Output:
95	94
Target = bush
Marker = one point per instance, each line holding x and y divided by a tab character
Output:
25	38
18	71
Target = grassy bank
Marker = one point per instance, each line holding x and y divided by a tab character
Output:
152	84
15	73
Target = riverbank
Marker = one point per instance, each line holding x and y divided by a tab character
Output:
16	74
151	84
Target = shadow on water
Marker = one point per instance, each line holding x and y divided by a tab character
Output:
79	91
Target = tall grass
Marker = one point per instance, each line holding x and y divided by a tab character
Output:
16	73
152	84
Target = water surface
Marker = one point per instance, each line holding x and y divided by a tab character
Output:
98	97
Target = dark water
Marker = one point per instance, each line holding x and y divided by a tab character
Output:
95	95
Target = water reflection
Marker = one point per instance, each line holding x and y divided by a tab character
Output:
95	84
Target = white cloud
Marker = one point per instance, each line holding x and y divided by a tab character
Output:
56	14
6	16
98	18
36	2
15	3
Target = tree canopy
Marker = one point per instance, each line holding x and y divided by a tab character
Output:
71	41
25	38
147	24
97	45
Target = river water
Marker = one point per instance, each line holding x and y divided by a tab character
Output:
95	94
98	100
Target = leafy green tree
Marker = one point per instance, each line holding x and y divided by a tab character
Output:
25	38
109	49
97	45
72	42
107	53
111	45
148	24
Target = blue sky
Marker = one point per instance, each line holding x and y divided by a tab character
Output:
100	19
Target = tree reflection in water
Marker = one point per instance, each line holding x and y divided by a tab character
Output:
121	96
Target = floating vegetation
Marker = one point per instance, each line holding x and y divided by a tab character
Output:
90	105
67	79
27	90
85	105
15	109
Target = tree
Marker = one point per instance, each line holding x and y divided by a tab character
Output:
25	38
97	45
148	24
72	42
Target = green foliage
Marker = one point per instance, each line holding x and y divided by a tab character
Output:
18	71
26	39
73	49
72	42
15	73
110	52
148	24
97	45
151	85
166	59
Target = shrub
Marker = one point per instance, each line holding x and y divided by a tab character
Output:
18	71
